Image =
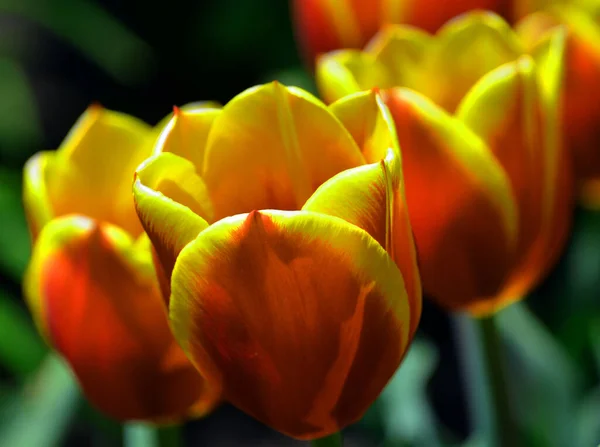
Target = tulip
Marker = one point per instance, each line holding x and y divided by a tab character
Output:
326	25
488	182
281	227
90	284
581	98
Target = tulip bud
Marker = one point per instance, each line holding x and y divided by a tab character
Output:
299	294
90	284
488	181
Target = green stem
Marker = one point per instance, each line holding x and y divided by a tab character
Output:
497	381
485	381
474	377
137	434
170	436
334	440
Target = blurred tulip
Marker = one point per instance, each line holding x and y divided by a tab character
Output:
282	229
581	99
488	183
326	25
90	284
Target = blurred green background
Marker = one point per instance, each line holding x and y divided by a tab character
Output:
58	56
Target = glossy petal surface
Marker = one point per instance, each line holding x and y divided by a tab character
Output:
95	298
271	147
462	208
302	317
173	206
372	198
368	120
186	133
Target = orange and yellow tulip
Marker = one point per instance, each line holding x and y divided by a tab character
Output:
488	182
281	229
326	25
91	285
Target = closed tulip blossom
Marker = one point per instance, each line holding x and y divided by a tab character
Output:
488	182
282	235
326	25
91	285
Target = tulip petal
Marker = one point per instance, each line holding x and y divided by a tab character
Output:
369	122
192	107
324	26
372	198
173	206
581	99
503	109
553	179
96	300
344	72
405	51
558	181
461	204
430	15
302	317
38	209
271	147
523	8
186	134
92	172
550	62
478	36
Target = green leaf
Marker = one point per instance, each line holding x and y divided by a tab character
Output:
407	414
588	420
89	28
138	434
594	330
14	237
22	349
545	380
583	261
19	121
334	440
43	410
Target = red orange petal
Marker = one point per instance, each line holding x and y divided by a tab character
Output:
460	201
301	317
97	301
